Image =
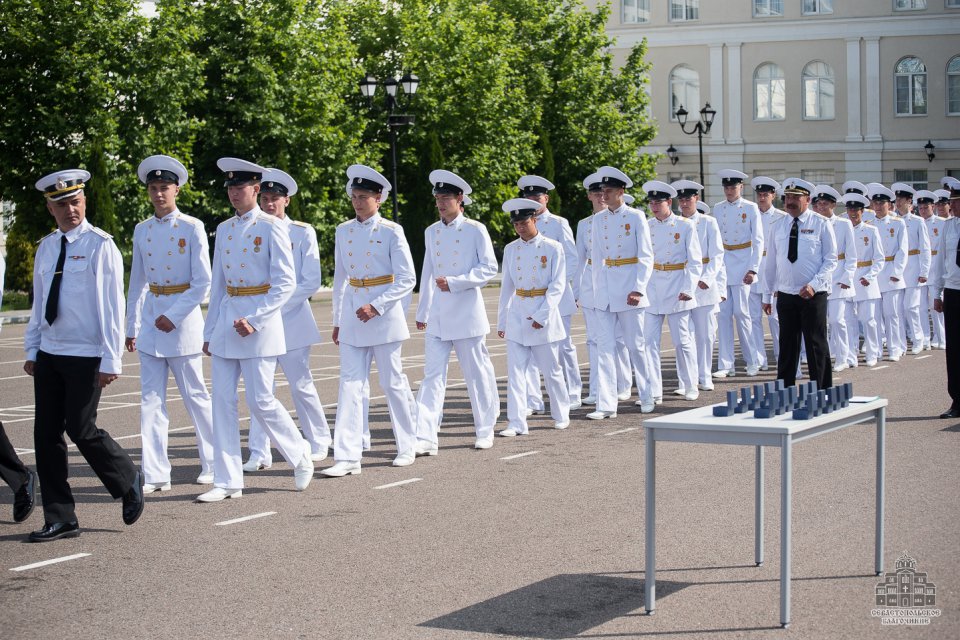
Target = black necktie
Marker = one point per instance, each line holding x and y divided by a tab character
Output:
53	299
958	254
794	237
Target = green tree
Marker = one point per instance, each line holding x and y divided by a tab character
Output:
101	210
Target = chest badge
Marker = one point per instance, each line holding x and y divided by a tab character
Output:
676	238
543	262
256	244
891	232
866	241
936	231
626	228
182	243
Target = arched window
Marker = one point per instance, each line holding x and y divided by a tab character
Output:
910	87
684	90
953	86
818	91
769	93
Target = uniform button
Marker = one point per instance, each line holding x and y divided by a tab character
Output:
150	254
229	237
228	251
352	267
169	253
349	253
242	265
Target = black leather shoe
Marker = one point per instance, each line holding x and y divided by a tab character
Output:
133	500
55	531
953	412
25	498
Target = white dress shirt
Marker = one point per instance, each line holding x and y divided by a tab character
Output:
768	219
816	255
946	273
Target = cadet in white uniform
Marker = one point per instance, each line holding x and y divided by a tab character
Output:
924	201
941	206
169	278
372	283
916	272
299	327
765	190
458	262
742	234
622	265
893	239
677	266
862	306
903	198
842	290
708	291
534	280
253	278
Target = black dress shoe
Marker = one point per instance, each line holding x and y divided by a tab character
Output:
55	531
133	500
25	498
953	412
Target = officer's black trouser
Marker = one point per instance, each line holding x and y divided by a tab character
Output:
806	319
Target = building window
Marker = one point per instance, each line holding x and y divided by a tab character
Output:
909	5
911	87
818	176
636	11
769	93
767	8
916	178
953	4
953	86
684	90
684	10
818	92
777	174
813	7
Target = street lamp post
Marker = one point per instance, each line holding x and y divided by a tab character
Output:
701	127
409	84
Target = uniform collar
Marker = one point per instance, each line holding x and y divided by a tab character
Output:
736	203
623	207
534	241
668	220
369	221
455	223
170	217
545	215
249	215
75	233
695	217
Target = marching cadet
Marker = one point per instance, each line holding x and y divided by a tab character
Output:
169	278
866	296
708	291
73	352
946	290
534	280
742	234
458	262
942	205
893	239
299	327
764	189
677	267
917	270
842	278
924	201
253	278
622	265
373	278
803	255
557	228
853	186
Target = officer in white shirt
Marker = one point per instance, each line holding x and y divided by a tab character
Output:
742	234
866	298
924	202
253	278
945	282
893	238
916	272
458	262
622	258
803	255
558	229
842	291
765	190
708	291
529	318
372	282
74	342
299	327
677	267
169	278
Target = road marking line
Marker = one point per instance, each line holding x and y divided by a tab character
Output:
921	357
399	484
613	433
885	366
37	565
520	455
245	518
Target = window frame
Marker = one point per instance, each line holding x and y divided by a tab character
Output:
768	3
897	7
637	9
756	101
819	80
819	11
955	76
694	108
911	87
687	5
900	175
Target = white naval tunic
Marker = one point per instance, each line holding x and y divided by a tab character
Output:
842	289
918	266
893	239
768	219
461	252
863	304
937	339
704	315
170	251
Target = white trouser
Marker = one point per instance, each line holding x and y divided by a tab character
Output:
571	372
756	329
736	308
478	376
912	323
155	421
296	368
258	376
351	408
929	317
705	334
547	358
838	339
892	325
684	346
864	314
591	340
631	322
624	371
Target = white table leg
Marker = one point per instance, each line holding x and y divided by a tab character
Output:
881	445
649	575
758	510
785	513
